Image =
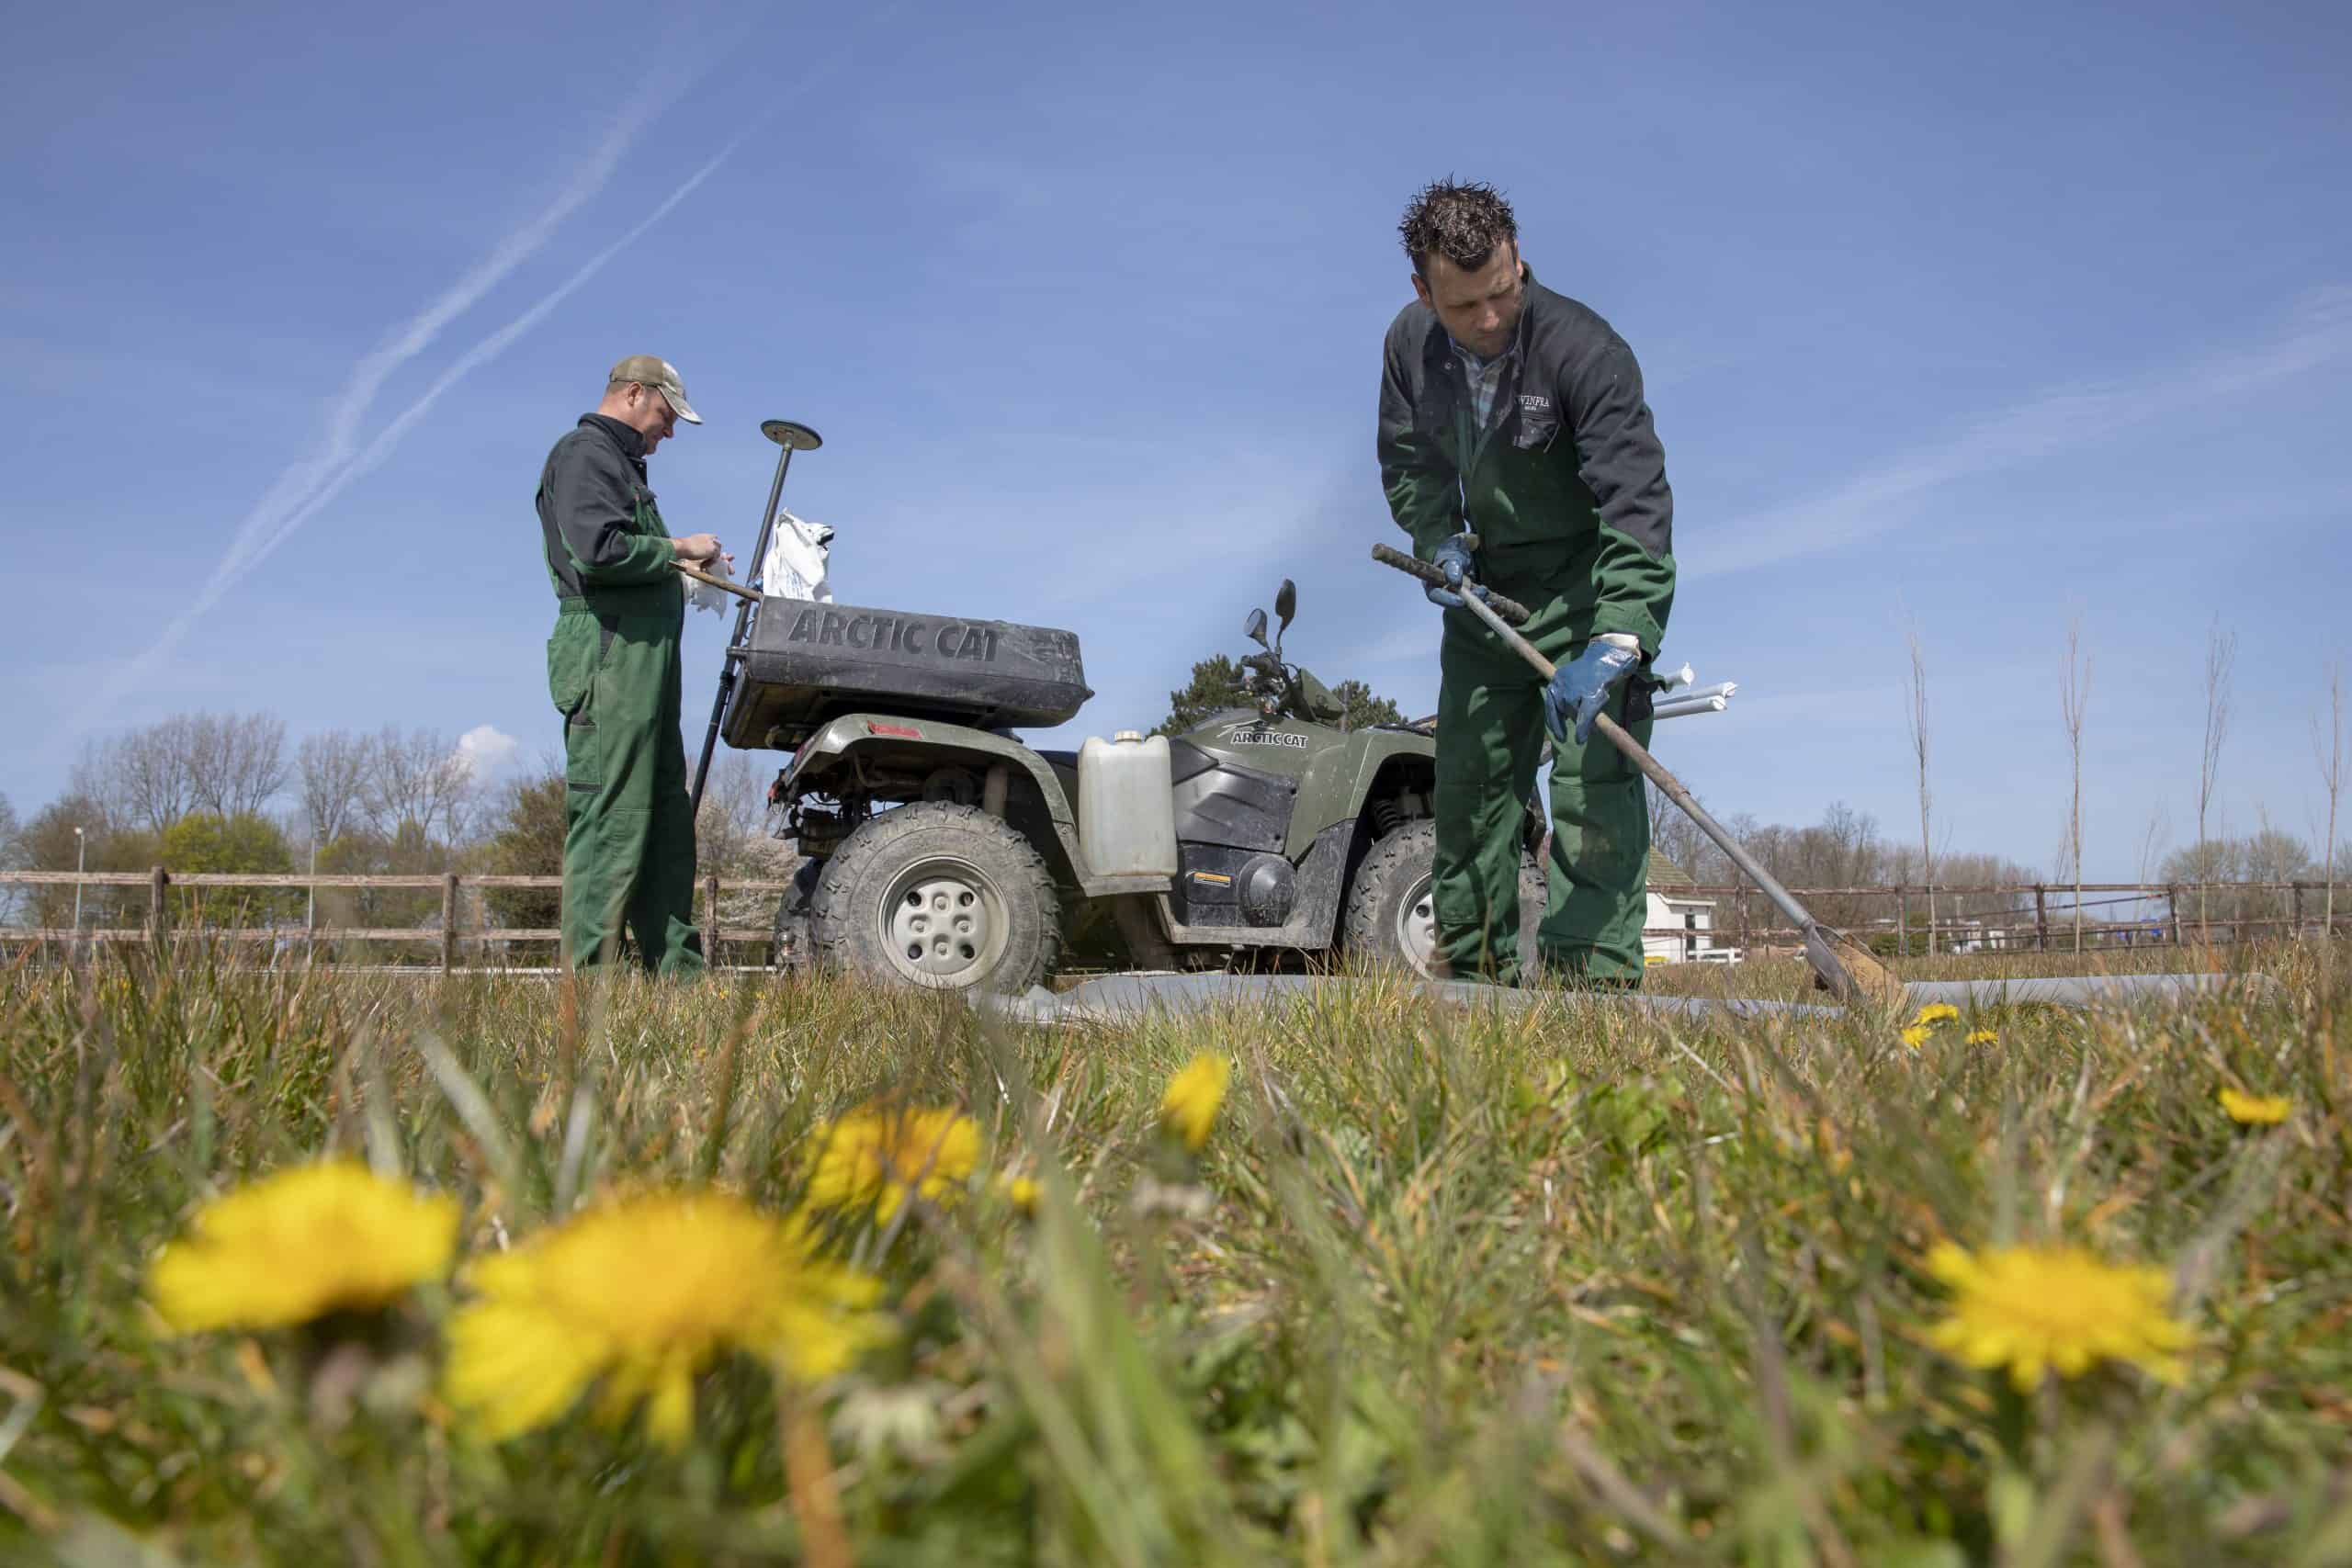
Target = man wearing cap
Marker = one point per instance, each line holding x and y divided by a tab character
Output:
629	842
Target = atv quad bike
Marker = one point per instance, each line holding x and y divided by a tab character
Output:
934	848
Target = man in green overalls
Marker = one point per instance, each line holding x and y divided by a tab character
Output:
1517	413
629	842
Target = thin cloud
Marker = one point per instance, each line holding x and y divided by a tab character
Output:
1873	501
305	479
310	485
373	454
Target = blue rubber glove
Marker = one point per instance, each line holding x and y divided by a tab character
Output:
1452	559
1579	689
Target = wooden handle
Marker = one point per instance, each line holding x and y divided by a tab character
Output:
1388	555
737	589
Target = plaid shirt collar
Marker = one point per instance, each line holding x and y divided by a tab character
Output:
1485	377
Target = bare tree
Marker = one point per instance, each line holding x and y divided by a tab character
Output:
1681	839
142	778
333	769
2221	658
2331	775
12	856
416	781
2072	697
236	763
2152	840
1918	714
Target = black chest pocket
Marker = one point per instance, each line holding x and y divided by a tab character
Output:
1538	423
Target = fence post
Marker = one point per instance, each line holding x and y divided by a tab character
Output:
2299	911
2041	918
155	885
710	920
1903	922
1742	896
448	922
2172	911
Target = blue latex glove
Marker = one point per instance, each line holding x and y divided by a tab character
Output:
1579	689
1452	559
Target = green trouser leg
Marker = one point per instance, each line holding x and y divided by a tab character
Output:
1489	730
628	846
1490	734
1598	894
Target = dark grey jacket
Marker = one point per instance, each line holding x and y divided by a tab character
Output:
1567	494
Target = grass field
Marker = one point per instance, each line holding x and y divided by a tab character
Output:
1570	1285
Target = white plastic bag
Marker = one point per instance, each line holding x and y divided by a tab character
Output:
800	556
702	595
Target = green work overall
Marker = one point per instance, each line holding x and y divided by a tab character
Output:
1562	482
1490	733
628	843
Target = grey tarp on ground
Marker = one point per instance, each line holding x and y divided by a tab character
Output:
1114	998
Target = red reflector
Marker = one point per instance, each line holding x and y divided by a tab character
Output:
898	732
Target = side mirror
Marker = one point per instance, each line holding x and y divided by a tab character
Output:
1287	603
1254	629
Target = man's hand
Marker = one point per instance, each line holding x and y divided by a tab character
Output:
1579	689
695	548
1453	558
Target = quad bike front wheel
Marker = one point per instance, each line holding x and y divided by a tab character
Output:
1391	916
940	896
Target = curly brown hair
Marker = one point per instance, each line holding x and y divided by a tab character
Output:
1461	219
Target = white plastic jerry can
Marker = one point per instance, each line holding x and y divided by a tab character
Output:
1126	815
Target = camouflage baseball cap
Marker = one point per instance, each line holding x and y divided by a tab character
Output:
649	370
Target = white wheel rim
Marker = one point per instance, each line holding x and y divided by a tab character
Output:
1416	924
943	923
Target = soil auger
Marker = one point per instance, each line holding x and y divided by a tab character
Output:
1842	966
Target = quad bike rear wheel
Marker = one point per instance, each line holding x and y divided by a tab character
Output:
940	896
1391	916
794	937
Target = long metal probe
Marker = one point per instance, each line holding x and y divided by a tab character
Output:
742	619
1820	942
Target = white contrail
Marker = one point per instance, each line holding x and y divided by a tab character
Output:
1869	501
373	454
303	480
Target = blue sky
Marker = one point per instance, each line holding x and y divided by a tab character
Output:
1970	320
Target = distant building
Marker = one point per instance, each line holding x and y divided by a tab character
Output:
1691	918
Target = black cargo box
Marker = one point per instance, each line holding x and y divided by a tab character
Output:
809	663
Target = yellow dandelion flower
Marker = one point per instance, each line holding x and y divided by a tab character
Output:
1188	1107
645	1293
2255	1109
1936	1012
874	1156
1916	1036
298	1244
1020	1191
2035	1308
1984	1037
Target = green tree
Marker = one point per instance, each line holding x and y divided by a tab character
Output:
1216	685
1363	708
202	842
529	842
48	843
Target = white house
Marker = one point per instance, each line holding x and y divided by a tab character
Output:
1694	918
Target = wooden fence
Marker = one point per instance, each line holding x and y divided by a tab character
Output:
1741	916
448	935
